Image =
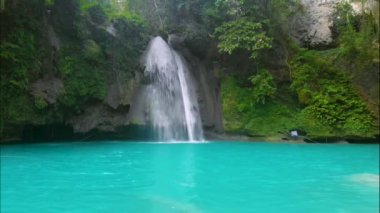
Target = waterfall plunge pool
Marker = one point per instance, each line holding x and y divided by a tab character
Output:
189	177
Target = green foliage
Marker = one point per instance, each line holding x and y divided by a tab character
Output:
89	57
358	38
92	51
113	9
331	105
360	48
18	109
83	82
242	115
235	96
79	60
2	5
236	102
313	126
339	107
232	7
19	59
40	103
49	2
242	34
87	4
83	63
329	96
67	65
18	55
263	86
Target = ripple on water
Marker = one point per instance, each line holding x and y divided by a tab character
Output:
199	177
368	179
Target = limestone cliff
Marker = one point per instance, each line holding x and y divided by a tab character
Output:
313	25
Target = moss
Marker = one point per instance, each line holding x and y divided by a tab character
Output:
92	51
242	114
320	118
263	86
49	2
313	126
82	82
20	64
40	103
329	95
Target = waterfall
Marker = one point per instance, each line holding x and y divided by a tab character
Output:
170	96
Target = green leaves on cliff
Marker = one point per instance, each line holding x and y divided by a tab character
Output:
20	64
263	86
243	115
83	81
19	60
111	10
18	56
242	34
85	49
49	2
92	51
40	103
329	96
358	37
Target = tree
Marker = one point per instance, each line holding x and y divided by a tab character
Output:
242	34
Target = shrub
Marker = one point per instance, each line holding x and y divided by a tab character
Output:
329	95
263	86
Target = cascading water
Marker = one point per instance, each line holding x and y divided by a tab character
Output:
172	106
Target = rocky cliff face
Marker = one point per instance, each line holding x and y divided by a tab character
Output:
314	28
313	25
121	73
88	75
84	72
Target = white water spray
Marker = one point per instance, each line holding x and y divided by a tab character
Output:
170	95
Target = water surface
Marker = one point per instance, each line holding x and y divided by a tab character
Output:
209	177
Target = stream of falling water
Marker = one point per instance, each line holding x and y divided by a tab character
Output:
170	95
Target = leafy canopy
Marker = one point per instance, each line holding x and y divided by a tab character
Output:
242	34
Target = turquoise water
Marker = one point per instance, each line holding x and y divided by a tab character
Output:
211	177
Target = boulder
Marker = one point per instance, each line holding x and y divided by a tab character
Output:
47	88
100	117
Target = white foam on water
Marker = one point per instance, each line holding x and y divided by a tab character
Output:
175	142
368	179
108	173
